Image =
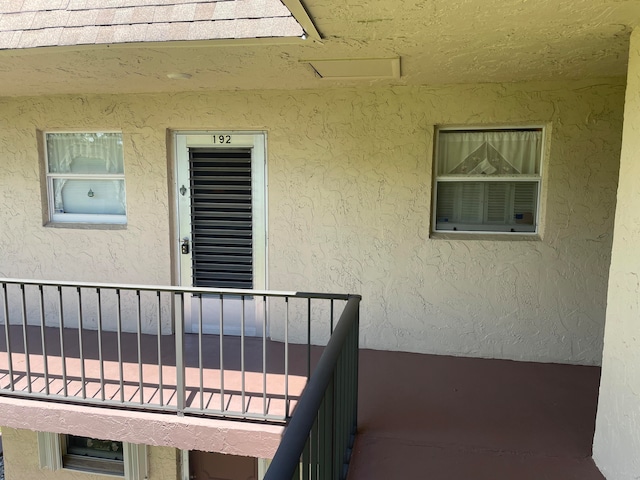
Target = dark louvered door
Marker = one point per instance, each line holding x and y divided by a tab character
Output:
221	218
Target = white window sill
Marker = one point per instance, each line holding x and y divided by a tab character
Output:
87	226
506	236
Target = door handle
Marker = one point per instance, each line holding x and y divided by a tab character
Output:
185	247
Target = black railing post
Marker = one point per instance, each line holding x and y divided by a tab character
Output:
329	383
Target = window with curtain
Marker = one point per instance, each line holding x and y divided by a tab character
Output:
91	455
487	180
85	177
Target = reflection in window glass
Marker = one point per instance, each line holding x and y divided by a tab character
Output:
85	177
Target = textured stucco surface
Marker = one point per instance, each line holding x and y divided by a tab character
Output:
438	41
349	173
21	460
189	433
617	441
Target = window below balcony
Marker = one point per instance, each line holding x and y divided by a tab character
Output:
91	455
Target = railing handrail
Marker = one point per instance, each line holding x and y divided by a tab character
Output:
287	457
179	289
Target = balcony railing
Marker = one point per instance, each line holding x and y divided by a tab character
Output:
125	346
318	441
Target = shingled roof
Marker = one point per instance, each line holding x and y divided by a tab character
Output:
41	23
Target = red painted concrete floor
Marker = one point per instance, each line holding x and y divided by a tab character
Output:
448	418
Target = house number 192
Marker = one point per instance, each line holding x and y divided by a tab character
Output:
222	139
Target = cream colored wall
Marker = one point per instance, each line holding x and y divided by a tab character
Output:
21	460
616	448
349	208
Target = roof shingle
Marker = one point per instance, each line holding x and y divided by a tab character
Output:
38	23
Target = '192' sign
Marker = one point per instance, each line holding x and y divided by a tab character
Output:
221	139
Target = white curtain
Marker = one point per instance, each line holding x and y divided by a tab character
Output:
69	152
92	154
506	152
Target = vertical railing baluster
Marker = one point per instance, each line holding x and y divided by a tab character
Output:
348	389
159	322
5	304
139	338
332	423
27	363
331	318
343	410
313	450
308	338
80	344
221	353
264	355
305	460
356	368
242	323
321	438
63	356
45	357
286	358
119	341
200	363
179	332
338	419
100	357
335	410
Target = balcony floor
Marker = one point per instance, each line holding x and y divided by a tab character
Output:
257	401
436	417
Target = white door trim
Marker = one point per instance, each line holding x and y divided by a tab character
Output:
256	141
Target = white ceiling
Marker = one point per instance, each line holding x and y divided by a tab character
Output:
438	41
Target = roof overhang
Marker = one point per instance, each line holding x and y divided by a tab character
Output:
470	41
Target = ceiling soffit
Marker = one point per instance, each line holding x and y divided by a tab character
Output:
437	41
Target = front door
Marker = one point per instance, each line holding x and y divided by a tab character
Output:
220	191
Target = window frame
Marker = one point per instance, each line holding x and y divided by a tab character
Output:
505	230
99	464
70	219
52	451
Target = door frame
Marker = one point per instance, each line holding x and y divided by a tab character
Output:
256	140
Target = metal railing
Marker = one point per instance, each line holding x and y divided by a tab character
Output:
318	441
250	355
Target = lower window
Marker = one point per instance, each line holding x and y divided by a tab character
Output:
487	206
92	455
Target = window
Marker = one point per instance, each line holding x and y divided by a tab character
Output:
85	178
92	455
487	180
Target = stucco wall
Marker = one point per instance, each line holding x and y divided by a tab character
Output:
349	174
21	460
617	440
